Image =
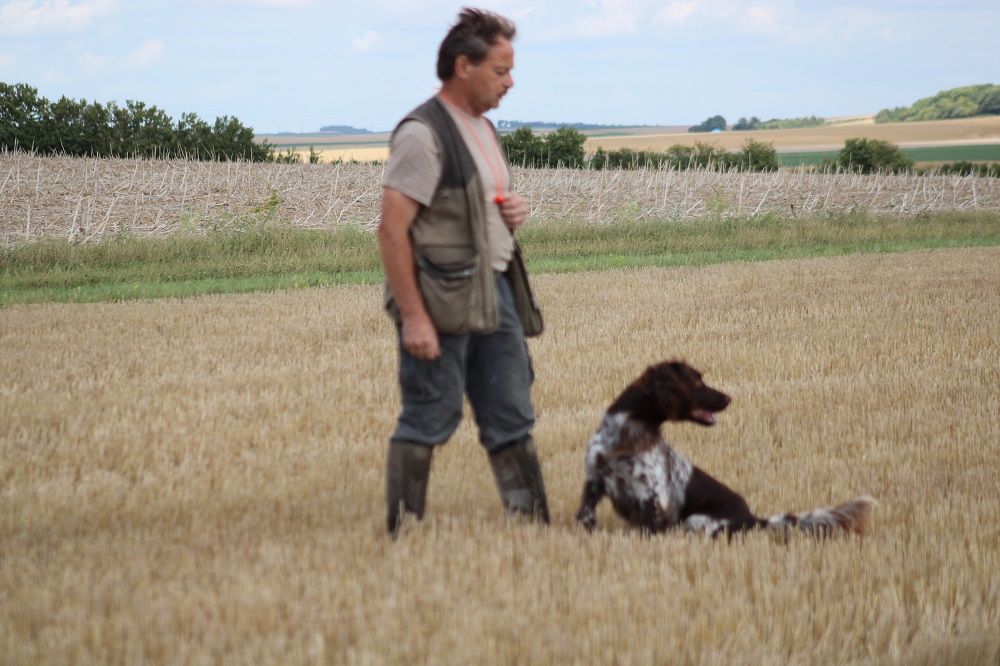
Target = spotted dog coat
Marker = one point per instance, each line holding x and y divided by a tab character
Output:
654	487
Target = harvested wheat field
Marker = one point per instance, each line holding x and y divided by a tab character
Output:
201	481
348	153
86	199
962	131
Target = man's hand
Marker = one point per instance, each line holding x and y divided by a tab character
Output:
420	338
513	210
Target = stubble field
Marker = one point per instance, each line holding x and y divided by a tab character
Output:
201	481
91	200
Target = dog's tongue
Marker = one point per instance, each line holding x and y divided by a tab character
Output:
704	416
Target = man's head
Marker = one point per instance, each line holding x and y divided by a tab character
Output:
476	57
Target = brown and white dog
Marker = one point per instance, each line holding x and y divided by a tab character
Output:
656	488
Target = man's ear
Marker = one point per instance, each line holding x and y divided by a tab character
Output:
462	65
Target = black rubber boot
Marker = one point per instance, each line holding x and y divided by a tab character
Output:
519	479
407	470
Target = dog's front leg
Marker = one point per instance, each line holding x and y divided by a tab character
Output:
593	492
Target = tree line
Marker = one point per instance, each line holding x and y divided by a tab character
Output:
753	156
963	102
754	123
564	148
29	121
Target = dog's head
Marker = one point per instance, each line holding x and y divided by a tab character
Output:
681	395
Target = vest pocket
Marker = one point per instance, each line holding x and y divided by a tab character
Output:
446	276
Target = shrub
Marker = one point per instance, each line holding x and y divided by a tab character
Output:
757	156
966	169
872	155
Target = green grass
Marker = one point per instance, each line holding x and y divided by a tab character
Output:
269	257
806	159
976	153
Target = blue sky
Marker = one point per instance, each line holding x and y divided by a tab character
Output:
295	65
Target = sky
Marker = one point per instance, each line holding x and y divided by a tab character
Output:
295	65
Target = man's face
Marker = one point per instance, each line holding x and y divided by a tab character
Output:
490	80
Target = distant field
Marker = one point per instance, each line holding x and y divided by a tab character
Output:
375	146
938	154
982	130
348	153
940	140
323	139
326	140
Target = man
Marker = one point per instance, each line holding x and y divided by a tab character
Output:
455	283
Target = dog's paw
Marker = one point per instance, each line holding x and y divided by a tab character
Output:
587	519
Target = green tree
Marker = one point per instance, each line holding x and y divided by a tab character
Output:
991	101
193	137
744	124
709	124
961	102
523	147
74	127
22	114
871	156
564	147
598	160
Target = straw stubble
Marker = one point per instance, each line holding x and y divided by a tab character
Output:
202	480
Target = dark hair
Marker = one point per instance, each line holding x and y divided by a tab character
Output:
476	31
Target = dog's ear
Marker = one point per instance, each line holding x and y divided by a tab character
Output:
666	387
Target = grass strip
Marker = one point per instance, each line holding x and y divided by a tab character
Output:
273	257
970	153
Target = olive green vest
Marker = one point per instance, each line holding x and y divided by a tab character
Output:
449	237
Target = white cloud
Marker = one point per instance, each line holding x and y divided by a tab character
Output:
762	18
6	60
32	17
93	63
270	3
51	75
149	53
366	42
781	20
675	13
609	18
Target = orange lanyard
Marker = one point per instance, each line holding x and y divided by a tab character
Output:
497	169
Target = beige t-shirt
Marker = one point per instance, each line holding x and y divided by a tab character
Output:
415	166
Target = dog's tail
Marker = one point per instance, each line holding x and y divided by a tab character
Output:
851	516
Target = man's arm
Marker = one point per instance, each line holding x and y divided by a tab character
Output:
419	337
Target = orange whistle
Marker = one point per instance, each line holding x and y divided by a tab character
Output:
499	199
